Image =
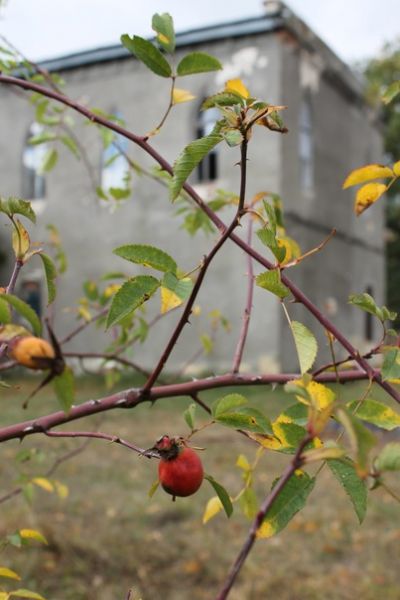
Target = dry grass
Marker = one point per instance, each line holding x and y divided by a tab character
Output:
107	536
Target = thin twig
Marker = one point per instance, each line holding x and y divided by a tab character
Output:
50	471
237	359
142	143
196	288
102	436
318	248
295	464
108	357
83	325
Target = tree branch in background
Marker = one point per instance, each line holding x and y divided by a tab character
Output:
237	359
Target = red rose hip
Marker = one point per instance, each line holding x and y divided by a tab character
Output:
180	470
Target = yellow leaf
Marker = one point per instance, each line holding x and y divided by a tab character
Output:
32	534
266	530
162	38
43	483
396	168
243	463
367	173
320	395
367	195
4	596
179	96
111	290
292	248
61	489
20	240
214	506
4	572
237	87
169	300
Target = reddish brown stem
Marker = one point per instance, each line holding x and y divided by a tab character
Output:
142	143
247	311
132	397
206	263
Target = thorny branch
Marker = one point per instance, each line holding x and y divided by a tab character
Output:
142	143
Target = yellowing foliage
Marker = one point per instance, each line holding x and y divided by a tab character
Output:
367	173
179	96
237	87
213	507
367	195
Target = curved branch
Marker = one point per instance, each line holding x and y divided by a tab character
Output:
142	143
132	397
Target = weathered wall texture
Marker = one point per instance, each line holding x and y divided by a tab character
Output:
275	69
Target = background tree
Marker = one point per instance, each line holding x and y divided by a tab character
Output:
380	73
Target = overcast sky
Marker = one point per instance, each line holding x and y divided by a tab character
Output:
354	29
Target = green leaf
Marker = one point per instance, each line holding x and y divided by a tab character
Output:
361	440
189	414
174	291
190	157
271	281
64	387
198	62
221	99
22	593
306	345
268	237
391	92
246	418
391	364
353	485
148	54
51	274
132	294
227	404
248	503
296	413
25	311
12	206
291	499
70	143
163	25
389	458
367	303
119	193
149	256
222	495
42	138
49	160
233	137
376	413
207	343
5	313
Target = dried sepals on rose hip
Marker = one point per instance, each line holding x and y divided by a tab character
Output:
180	470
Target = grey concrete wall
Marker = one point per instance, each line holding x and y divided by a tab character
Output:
90	231
345	137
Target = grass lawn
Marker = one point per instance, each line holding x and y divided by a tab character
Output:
108	536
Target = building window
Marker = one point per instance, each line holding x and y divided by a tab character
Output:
33	180
306	146
207	170
31	293
114	165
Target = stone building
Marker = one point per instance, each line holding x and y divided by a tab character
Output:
331	131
